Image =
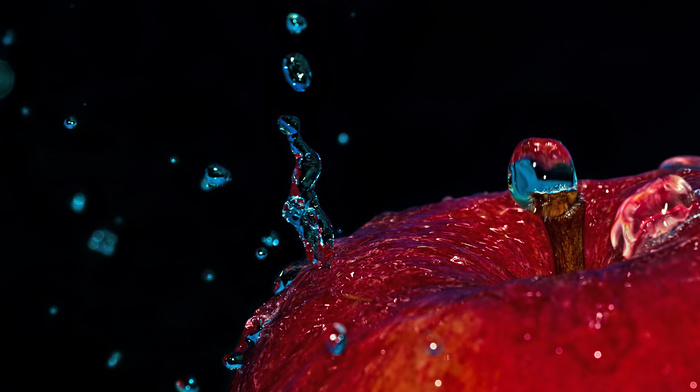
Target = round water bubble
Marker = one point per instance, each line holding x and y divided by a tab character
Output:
334	338
114	359
295	23
343	138
261	253
187	384
7	79
540	166
9	37
296	71
78	202
215	176
271	240
70	122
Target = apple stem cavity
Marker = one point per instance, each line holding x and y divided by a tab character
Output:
563	215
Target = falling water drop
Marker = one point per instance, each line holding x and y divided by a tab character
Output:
215	176
114	359
187	384
271	240
208	275
7	79
53	310
296	71
78	202
335	339
261	253
174	160
295	23
70	122
103	241
343	138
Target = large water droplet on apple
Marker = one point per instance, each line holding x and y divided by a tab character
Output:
252	339
540	166
296	71
234	360
286	276
680	162
302	208
335	338
651	216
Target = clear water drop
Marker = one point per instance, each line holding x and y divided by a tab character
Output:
9	37
7	79
215	176
103	241
114	359
25	111
261	253
70	122
651	215
343	138
187	384
540	166
78	202
208	275
296	71
174	160
286	276
53	310
295	23
271	240
335	338
234	360
289	125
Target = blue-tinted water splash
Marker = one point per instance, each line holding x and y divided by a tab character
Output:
296	71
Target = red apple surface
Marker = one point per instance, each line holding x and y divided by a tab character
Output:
461	296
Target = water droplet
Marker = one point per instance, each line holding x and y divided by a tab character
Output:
302	208
114	359
234	360
271	240
651	215
296	71
597	354
343	138
188	384
286	276
78	202
9	37
693	385
433	345
7	79
261	253
53	310
541	166
25	111
680	162
70	122
103	241
215	176
208	275
335	339
295	23
174	160
252	338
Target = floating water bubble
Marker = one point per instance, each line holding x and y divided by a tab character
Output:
335	339
9	37
271	240
7	79
208	275
343	138
542	166
261	253
234	360
651	215
70	122
174	160
53	310
103	241
78	202
296	71
188	384
295	23
114	359
25	111
215	176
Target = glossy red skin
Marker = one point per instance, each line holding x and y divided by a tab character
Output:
475	273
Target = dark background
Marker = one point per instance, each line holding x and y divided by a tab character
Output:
434	97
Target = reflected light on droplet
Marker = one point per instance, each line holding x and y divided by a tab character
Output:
597	354
559	350
693	385
438	383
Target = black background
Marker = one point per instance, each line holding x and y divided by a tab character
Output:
433	95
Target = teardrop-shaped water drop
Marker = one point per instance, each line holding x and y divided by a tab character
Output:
295	23
215	176
651	215
187	384
288	125
70	122
334	338
296	71
540	166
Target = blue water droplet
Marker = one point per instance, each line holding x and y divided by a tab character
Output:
103	241
261	253
9	37
25	111
187	384
343	138
296	71
70	122
289	125
234	360
252	338
78	202
114	359
335	339
7	79
271	240
295	23
174	160
287	276
542	166
208	275
53	310
215	176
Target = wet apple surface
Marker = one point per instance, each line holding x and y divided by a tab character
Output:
461	295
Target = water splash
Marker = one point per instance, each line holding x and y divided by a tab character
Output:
652	213
335	339
7	79
540	166
302	208
70	122
215	176
296	71
188	384
295	23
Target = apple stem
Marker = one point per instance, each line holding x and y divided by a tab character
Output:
566	237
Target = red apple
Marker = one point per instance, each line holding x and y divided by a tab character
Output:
461	296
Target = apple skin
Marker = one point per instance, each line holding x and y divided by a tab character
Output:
474	275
